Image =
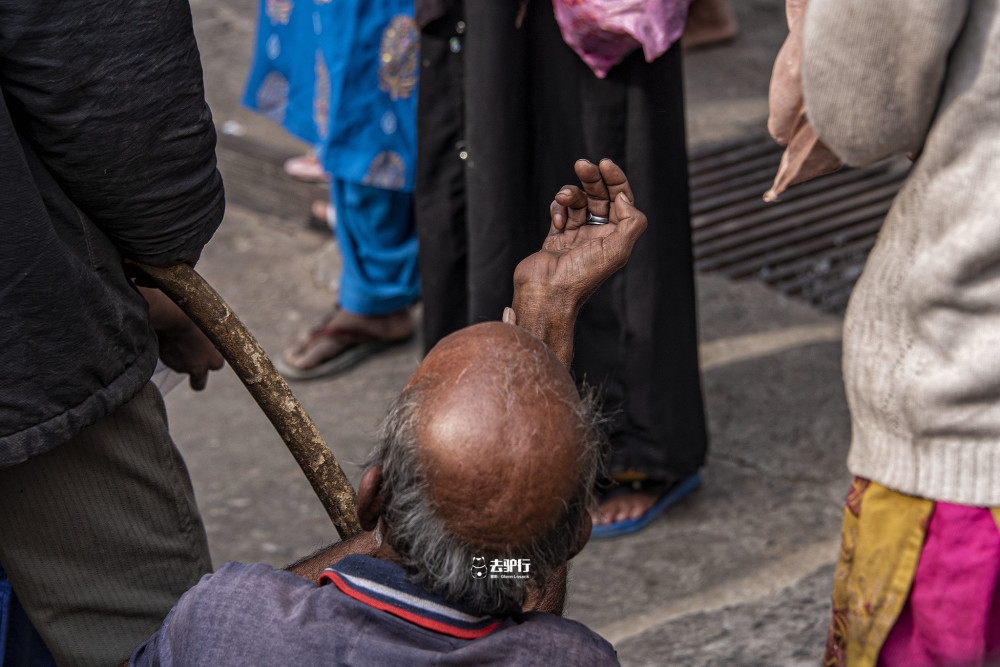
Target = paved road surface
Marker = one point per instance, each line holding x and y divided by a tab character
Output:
739	575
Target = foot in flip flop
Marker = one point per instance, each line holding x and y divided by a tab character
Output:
306	168
322	216
342	341
631	507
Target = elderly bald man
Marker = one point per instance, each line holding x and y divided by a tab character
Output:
475	498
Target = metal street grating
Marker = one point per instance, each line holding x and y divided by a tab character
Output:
811	245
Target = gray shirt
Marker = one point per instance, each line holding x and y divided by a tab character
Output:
371	614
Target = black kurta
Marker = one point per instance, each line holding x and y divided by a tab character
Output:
504	112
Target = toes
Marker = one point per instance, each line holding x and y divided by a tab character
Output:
598	517
624	508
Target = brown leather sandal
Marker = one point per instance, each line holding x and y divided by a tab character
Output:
354	347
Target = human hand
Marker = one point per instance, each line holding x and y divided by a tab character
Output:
183	346
552	285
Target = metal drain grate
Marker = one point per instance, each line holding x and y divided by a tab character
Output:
811	245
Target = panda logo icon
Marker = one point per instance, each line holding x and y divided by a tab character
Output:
478	567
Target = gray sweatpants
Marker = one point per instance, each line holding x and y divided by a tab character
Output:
101	535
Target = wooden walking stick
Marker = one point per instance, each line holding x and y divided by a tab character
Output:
209	311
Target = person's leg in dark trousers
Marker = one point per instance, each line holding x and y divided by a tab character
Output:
661	433
531	108
440	189
500	176
101	536
636	339
474	176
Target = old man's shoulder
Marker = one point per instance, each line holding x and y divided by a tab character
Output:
255	614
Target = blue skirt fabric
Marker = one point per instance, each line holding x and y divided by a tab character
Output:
342	76
377	236
347	83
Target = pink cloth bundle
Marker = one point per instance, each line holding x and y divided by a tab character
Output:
603	32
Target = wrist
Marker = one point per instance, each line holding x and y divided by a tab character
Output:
551	320
543	315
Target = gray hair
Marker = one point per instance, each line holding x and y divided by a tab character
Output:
442	562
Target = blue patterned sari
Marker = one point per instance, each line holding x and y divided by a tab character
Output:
342	75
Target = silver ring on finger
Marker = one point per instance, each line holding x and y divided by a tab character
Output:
596	219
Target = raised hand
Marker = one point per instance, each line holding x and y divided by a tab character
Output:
552	285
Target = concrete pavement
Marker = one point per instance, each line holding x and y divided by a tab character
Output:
738	575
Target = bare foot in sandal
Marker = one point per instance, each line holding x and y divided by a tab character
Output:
306	168
632	506
342	341
323	211
624	507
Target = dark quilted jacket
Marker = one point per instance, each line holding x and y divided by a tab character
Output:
107	149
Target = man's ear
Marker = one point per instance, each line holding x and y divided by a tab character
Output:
584	536
370	498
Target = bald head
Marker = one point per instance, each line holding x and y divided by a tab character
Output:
499	436
489	452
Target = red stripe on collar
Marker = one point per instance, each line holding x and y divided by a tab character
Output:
422	621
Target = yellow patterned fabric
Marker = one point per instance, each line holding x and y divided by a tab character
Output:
882	536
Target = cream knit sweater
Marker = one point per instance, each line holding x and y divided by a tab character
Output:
922	331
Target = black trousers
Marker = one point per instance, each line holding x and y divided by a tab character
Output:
504	112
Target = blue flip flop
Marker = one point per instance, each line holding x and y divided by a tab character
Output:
672	495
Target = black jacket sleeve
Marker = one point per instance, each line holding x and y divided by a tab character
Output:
110	95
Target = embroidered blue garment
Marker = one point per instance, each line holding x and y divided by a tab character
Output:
342	76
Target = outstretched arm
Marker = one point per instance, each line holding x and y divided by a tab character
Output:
550	287
576	258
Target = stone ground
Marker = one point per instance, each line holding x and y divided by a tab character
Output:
738	575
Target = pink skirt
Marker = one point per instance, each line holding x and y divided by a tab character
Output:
916	584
